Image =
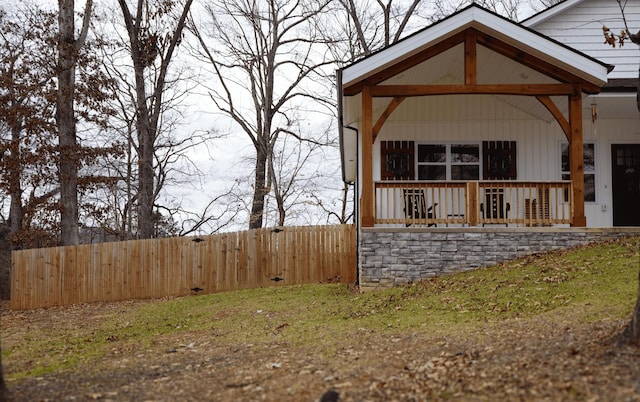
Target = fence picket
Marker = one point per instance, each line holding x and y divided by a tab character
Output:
173	266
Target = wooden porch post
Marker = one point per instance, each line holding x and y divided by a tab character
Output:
367	216
576	157
472	202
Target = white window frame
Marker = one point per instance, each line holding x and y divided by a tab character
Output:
448	163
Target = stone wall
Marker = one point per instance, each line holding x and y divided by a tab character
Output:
390	257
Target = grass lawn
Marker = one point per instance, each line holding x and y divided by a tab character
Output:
435	338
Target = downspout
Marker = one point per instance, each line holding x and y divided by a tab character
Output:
341	128
355	201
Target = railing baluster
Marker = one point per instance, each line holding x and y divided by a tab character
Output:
531	203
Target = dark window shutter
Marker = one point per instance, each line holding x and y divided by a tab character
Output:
499	160
398	161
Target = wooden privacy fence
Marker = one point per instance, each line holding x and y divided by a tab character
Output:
175	266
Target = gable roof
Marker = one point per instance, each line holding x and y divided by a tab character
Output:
474	16
522	51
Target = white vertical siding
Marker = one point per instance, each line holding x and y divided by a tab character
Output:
580	27
538	141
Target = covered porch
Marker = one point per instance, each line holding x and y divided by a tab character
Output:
429	127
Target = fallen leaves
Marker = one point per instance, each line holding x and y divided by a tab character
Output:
526	332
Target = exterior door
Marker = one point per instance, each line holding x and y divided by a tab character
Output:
625	160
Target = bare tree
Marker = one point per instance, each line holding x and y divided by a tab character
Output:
544	3
68	49
287	166
174	169
261	54
336	211
154	34
374	24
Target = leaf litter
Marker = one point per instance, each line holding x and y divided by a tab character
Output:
531	330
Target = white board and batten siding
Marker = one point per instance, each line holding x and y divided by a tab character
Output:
473	119
579	25
477	118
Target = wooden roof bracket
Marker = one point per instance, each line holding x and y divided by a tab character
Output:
557	114
395	102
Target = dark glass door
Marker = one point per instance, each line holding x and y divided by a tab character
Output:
625	161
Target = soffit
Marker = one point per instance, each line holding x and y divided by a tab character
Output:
495	32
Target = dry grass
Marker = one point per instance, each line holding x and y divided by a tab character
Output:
538	328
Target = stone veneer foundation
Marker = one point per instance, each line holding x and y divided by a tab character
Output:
389	257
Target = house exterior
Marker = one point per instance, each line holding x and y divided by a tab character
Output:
478	139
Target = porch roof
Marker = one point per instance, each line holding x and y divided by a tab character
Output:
526	40
435	55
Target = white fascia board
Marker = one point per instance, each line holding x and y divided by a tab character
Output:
550	12
405	48
546	49
509	32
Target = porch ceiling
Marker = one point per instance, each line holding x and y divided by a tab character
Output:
436	55
448	68
496	31
493	68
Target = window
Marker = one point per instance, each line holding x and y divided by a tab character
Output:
448	161
589	169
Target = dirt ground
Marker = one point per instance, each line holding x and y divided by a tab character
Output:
540	359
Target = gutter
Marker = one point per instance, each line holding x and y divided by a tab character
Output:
340	123
356	191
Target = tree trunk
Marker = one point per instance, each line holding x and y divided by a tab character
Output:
277	191
631	334
15	186
68	48
65	119
144	52
144	129
260	192
4	391
146	140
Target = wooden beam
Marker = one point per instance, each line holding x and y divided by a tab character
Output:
469	36
471	57
551	107
405	64
395	102
460	89
576	158
367	216
534	62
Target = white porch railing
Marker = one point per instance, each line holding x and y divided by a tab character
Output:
474	203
